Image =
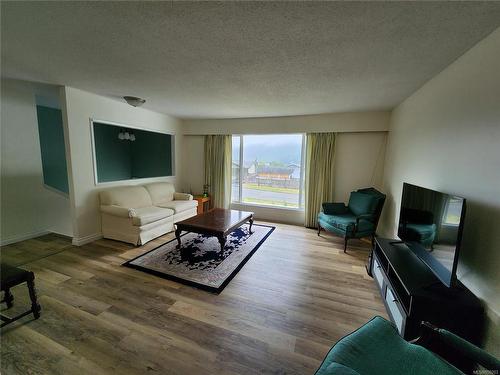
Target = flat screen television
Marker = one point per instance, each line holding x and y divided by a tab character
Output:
431	225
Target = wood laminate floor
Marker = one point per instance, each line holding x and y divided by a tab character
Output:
296	296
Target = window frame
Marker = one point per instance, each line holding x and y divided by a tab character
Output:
128	126
445	213
240	177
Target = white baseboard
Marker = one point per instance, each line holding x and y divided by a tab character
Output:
22	237
60	234
79	241
76	241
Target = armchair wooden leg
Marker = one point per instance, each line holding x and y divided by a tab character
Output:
8	298
35	307
319	229
345	244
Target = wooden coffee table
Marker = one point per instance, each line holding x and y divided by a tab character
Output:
217	222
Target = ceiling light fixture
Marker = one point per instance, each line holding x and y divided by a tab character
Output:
134	101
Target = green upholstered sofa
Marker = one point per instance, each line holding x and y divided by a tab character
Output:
356	220
377	349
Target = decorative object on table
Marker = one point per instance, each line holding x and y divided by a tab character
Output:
10	277
202	201
377	349
205	190
200	262
356	220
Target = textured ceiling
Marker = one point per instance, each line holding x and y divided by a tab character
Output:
242	59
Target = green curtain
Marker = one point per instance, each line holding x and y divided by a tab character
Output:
218	169
320	157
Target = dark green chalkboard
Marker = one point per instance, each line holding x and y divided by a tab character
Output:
50	131
113	156
150	155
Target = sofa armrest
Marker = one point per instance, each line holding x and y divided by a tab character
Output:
334	208
118	211
182	197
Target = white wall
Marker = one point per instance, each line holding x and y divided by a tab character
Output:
360	150
28	208
78	108
329	122
446	136
359	162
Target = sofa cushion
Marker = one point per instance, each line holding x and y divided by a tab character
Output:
145	215
179	206
117	211
126	196
421	231
160	192
343	221
361	203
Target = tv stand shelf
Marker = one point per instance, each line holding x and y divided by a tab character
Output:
412	294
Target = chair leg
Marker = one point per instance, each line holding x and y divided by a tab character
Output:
8	298
319	229
345	244
35	307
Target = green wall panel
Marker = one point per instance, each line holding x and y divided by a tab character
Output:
150	155
53	153
113	156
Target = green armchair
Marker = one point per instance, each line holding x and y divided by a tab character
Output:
356	220
377	349
419	226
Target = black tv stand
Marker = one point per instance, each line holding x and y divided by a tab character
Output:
412	294
434	285
395	242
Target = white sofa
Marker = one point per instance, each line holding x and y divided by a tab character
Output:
137	214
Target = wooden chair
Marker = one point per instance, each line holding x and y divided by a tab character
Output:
10	277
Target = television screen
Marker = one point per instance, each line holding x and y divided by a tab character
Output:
430	223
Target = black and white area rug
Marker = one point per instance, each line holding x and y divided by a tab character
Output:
198	263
